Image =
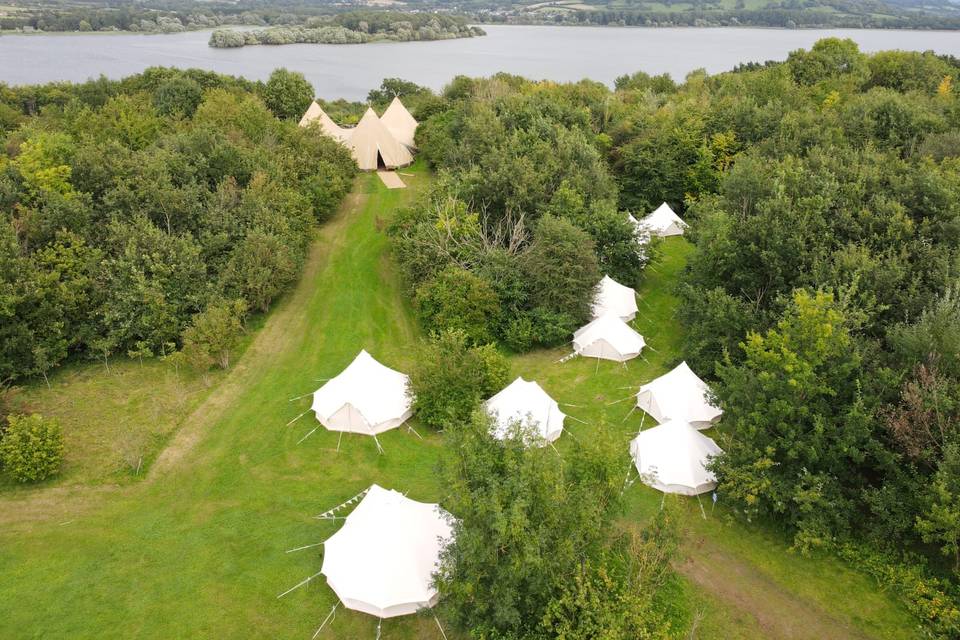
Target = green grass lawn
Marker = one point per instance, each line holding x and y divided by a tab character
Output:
196	548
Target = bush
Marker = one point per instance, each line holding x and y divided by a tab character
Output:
452	378
457	299
32	448
213	334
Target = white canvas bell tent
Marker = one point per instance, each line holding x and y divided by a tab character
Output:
609	338
525	402
373	146
664	222
616	299
367	397
400	123
382	559
316	114
672	458
679	395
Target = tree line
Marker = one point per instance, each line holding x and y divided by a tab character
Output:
153	213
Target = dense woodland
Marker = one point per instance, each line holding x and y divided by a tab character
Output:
823	195
134	214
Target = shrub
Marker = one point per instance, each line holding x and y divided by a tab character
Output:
457	299
213	334
452	378
32	448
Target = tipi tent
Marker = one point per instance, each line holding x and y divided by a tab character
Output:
671	457
372	145
316	114
366	397
400	123
615	299
664	222
679	395
382	560
526	402
608	337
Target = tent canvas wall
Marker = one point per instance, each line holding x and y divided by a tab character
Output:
373	146
382	559
400	123
609	338
664	222
316	114
671	458
616	299
679	395
366	397
527	403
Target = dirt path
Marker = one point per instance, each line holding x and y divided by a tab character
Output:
741	587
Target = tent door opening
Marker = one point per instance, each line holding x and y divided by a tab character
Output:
380	163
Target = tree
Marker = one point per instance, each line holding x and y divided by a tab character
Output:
287	94
526	524
800	436
31	449
457	299
179	95
940	523
452	377
213	334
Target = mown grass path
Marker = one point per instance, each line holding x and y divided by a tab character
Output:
197	549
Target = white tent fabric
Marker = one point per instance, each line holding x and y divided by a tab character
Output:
608	337
367	397
664	222
400	123
371	139
615	299
526	402
382	560
316	114
679	395
671	457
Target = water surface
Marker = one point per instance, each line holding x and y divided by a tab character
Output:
349	71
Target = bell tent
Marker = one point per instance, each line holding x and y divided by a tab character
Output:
367	397
316	114
672	458
608	337
400	123
527	403
664	222
382	560
615	299
373	146
679	395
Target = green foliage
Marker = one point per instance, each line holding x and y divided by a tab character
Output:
128	207
287	94
213	334
525	527
799	445
457	299
452	378
31	448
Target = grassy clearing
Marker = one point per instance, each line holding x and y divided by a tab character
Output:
198	548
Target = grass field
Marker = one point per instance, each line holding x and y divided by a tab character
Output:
195	547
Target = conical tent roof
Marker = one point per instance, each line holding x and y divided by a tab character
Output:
382	560
615	299
370	139
608	337
664	222
679	395
367	397
671	458
315	113
400	123
527	403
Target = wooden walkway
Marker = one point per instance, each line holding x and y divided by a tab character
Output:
391	180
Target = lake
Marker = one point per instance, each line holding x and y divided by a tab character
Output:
349	71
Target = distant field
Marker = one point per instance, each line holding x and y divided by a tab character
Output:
196	546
